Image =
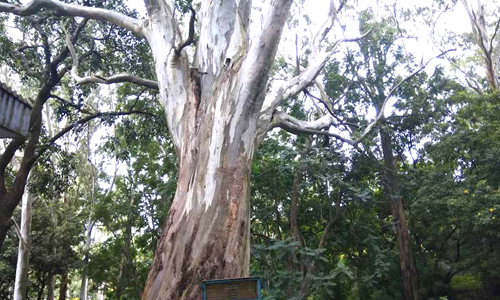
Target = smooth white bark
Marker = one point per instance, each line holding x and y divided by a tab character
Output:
64	9
21	281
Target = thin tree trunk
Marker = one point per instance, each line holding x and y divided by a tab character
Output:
53	216
125	262
88	241
121	277
63	289
393	192
21	282
294	224
51	287
90	224
42	289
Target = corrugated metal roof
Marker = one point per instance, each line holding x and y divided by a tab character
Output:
14	113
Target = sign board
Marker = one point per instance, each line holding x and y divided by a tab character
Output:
232	289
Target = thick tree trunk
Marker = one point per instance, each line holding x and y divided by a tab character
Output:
212	112
393	192
23	256
207	235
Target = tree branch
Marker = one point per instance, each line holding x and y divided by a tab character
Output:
380	114
300	82
69	103
72	10
321	125
296	126
6	157
18	231
190	38
81	122
46	46
123	77
64	53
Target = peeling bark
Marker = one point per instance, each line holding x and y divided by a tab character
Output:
213	121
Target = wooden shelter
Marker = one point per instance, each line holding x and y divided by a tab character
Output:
14	114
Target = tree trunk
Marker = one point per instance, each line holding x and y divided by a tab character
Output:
63	289
90	224
207	235
51	287
393	192
125	263
5	224
41	290
23	256
212	113
294	224
88	241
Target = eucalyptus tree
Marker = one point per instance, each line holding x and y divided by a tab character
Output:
23	255
485	22
219	104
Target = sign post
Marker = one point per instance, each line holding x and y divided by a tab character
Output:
232	289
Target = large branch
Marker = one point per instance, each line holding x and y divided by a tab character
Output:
321	125
6	157
260	57
64	9
296	126
300	82
123	77
306	78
